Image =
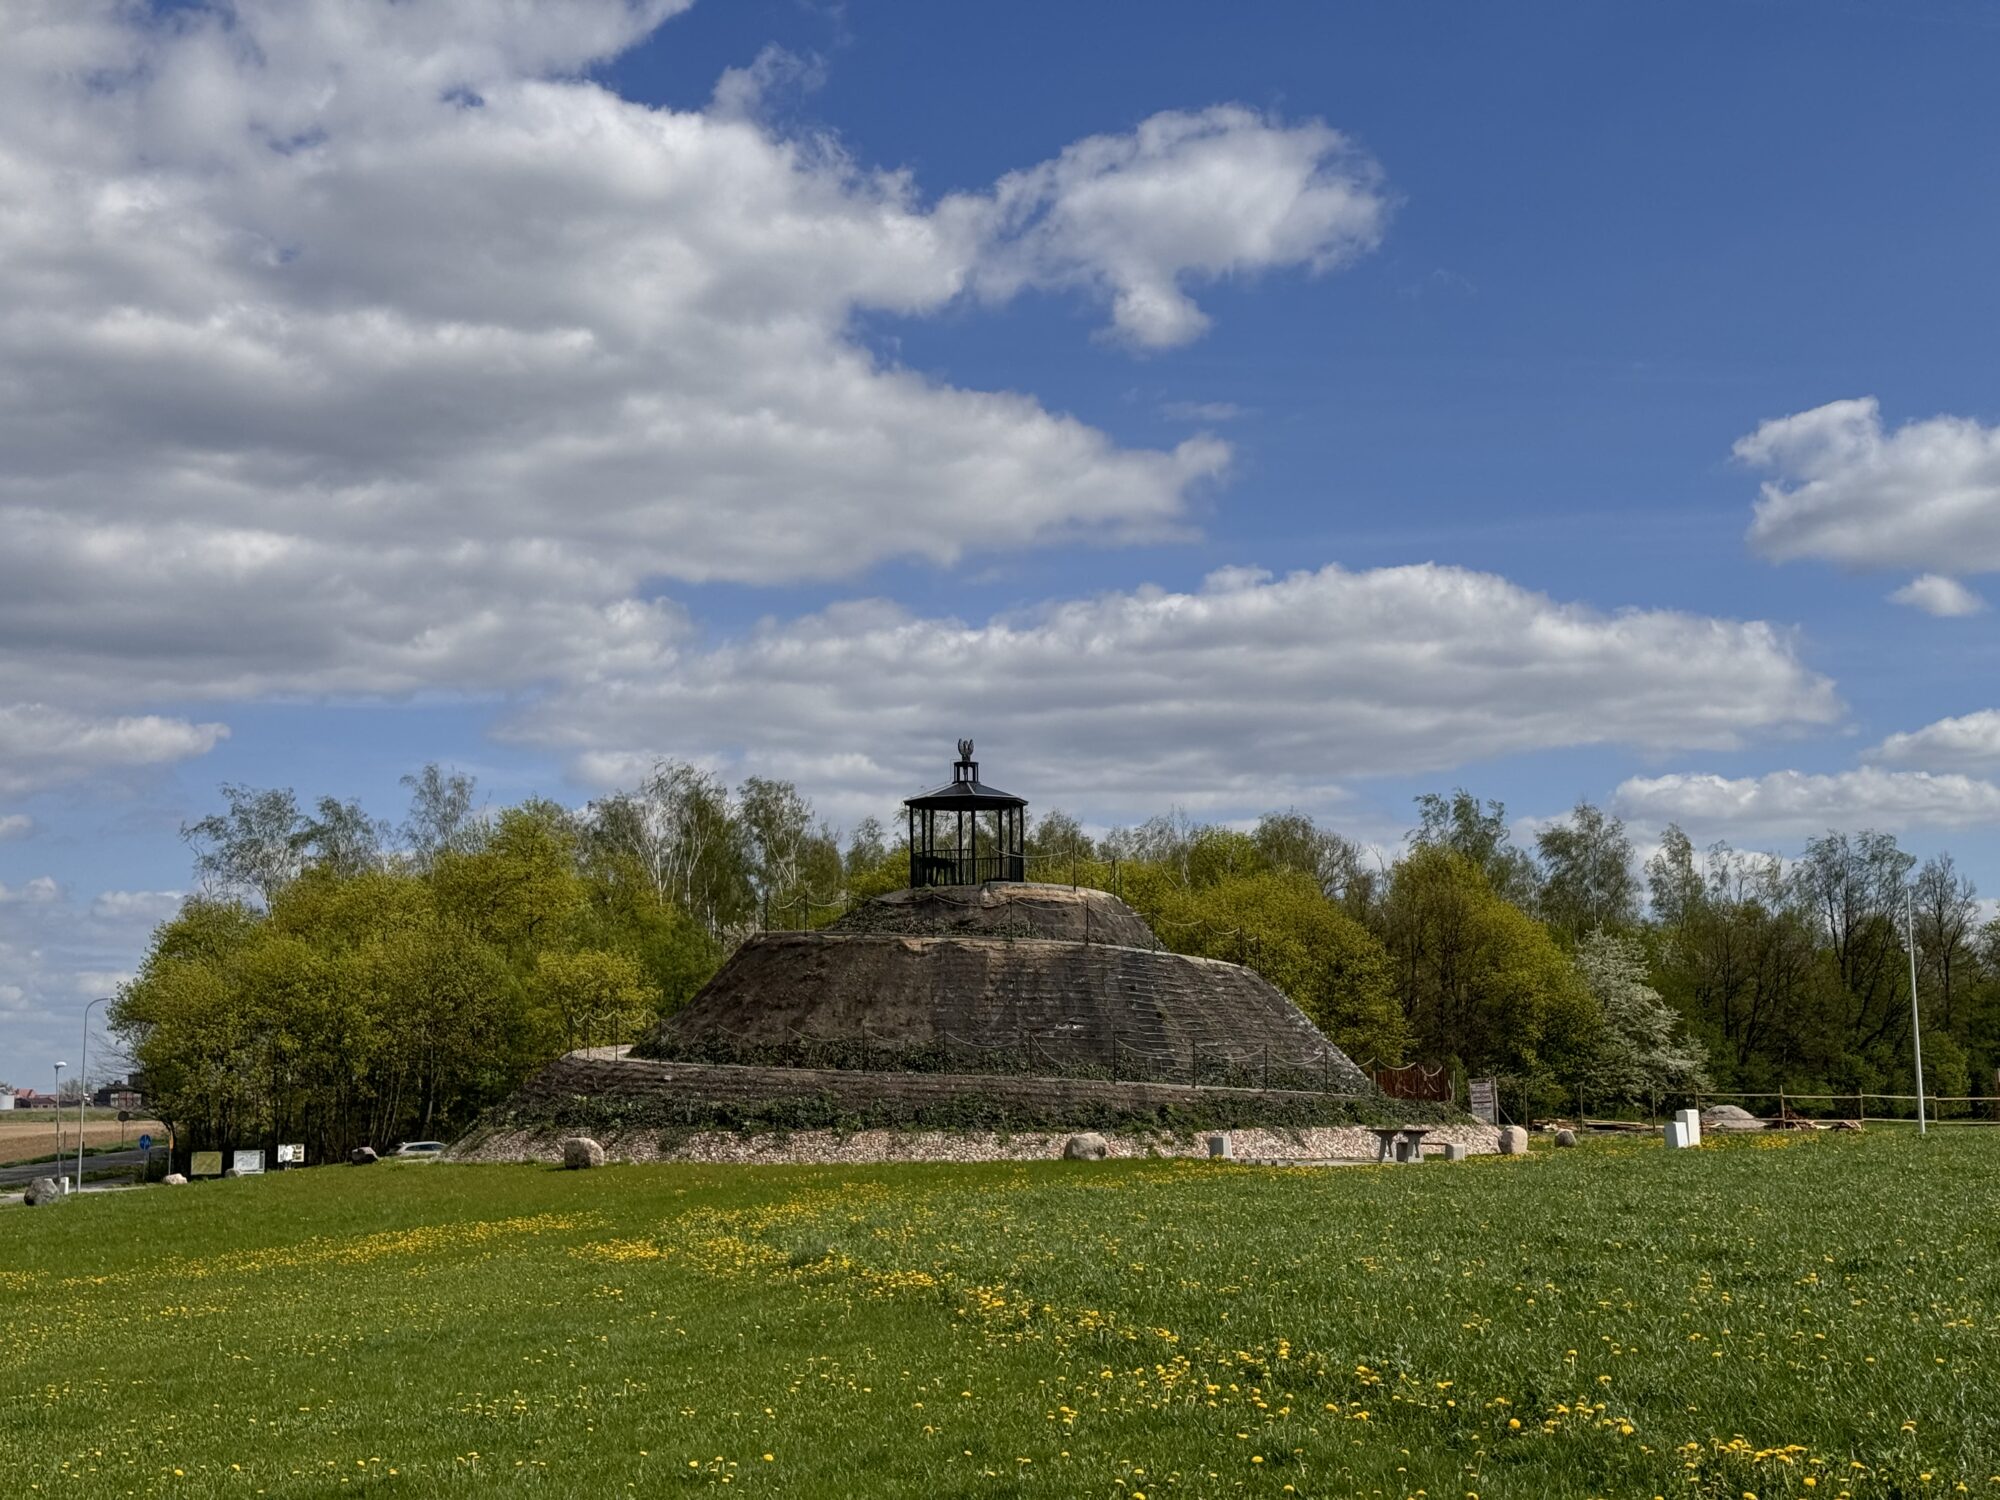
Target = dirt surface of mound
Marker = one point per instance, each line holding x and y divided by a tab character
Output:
1003	909
1000	1005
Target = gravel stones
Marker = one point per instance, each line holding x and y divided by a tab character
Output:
1090	1146
580	1152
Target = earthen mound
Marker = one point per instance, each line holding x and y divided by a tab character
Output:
861	997
1003	909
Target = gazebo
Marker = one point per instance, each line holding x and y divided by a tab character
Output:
944	830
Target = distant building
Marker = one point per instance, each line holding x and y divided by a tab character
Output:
117	1096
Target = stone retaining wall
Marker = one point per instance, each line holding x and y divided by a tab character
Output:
813	1147
644	1110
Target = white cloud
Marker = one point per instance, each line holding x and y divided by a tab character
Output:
1250	693
1186	197
1970	742
15	826
1793	803
40	891
43	746
1201	411
59	952
143	907
1935	594
1924	496
369	349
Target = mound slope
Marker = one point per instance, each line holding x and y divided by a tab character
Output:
871	994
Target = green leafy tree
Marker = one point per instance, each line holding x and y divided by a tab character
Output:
1281	925
589	997
1640	1052
1587	877
1477	831
1482	982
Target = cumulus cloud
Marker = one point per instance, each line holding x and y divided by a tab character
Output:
40	891
1133	700
43	746
1969	742
136	906
370	348
15	826
1188	196
1926	495
1935	594
58	951
1796	804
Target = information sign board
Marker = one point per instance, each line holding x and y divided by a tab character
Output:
291	1156
145	1143
248	1163
1483	1099
205	1164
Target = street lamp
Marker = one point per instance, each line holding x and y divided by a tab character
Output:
1916	1024
59	1067
83	1093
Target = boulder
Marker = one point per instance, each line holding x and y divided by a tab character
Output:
1565	1137
231	1172
580	1151
174	1179
1090	1146
362	1156
1513	1140
43	1190
1729	1117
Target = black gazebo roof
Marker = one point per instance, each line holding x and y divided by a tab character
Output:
965	792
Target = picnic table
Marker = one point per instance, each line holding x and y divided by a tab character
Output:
1403	1143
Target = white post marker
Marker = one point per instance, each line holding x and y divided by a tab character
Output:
58	1114
1690	1122
1916	1024
1676	1134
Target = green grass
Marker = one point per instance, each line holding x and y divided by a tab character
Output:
1775	1316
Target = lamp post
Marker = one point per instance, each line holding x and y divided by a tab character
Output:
59	1151
83	1093
1916	1024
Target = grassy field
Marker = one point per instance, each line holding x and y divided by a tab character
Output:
1778	1315
26	1134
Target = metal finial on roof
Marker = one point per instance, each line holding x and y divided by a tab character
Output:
965	749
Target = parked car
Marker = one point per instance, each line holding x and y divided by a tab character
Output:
422	1150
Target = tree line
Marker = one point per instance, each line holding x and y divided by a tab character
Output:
339	980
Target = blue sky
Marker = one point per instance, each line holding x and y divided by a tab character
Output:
794	388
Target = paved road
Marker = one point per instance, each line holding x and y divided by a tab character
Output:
21	1176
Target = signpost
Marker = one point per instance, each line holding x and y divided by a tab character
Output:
205	1164
291	1156
146	1142
1483	1099
248	1163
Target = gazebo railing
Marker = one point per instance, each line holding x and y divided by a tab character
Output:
951	868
